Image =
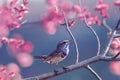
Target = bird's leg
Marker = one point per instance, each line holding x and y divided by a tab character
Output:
55	71
64	68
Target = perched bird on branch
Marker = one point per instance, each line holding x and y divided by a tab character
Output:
59	54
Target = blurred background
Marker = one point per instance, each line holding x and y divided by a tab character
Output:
45	43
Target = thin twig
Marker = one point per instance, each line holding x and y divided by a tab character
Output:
73	67
93	72
93	31
106	25
107	47
117	26
98	41
116	55
117	35
112	36
71	35
90	27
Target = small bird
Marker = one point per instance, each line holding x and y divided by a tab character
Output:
59	54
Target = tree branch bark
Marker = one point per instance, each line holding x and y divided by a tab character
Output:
73	67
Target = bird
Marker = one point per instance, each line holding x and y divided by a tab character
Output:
57	55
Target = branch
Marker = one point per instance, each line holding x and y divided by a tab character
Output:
93	31
116	55
71	35
117	35
98	41
73	67
118	24
93	72
112	36
107	47
106	26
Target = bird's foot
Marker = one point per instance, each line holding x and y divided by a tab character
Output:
56	71
65	68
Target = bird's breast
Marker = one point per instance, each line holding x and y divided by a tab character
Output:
66	50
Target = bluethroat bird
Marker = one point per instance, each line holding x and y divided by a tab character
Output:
59	54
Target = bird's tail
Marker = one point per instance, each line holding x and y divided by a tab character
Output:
43	57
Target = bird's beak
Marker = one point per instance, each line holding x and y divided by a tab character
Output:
68	41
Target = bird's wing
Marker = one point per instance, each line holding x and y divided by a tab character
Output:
53	54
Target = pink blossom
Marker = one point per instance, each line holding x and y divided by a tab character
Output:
77	8
54	15
9	72
52	2
25	2
17	77
117	3
10	16
115	43
27	47
113	51
115	68
83	13
20	16
20	50
13	2
4	31
12	67
65	6
24	59
50	27
71	23
98	22
115	46
17	45
102	8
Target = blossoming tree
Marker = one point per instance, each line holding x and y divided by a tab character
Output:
58	13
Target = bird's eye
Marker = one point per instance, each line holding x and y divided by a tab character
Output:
64	42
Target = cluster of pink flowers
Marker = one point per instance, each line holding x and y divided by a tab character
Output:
10	15
102	8
10	72
84	13
115	48
117	3
115	67
55	15
19	49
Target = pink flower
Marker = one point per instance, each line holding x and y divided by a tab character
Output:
13	2
77	8
17	45
9	72
115	68
25	60
102	8
115	46
52	2
50	27
54	15
71	23
10	16
20	50
27	47
117	3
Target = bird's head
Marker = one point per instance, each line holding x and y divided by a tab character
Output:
63	44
